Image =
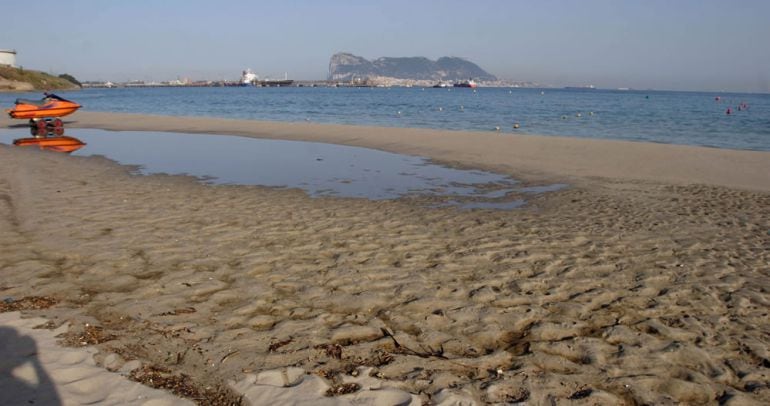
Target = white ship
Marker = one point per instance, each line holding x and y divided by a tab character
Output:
249	78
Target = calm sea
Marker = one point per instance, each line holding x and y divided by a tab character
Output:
689	118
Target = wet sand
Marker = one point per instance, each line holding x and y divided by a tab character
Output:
645	282
531	157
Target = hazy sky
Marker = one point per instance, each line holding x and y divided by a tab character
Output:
661	44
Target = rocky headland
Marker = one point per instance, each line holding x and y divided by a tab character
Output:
347	67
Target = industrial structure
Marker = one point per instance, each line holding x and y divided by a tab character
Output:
8	57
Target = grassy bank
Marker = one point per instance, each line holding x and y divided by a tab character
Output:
19	79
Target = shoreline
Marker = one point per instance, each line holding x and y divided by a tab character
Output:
527	157
630	287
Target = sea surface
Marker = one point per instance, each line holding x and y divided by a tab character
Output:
689	118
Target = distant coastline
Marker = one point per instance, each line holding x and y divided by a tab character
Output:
303	83
501	83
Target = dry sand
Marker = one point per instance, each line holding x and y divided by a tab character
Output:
644	283
36	370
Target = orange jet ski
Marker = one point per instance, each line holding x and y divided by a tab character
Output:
61	143
50	106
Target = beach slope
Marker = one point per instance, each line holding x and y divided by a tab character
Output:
645	282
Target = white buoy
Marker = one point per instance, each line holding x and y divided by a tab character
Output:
542	93
462	108
399	112
497	128
591	113
440	109
515	126
578	115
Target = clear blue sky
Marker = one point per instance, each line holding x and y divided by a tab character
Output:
671	44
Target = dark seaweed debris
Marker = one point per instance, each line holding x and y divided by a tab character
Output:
90	335
181	385
27	303
343	389
581	394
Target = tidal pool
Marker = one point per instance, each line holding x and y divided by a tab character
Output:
318	169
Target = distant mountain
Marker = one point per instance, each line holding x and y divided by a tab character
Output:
345	67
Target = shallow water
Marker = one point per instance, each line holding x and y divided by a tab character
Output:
318	169
690	118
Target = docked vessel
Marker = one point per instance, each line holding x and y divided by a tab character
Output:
466	83
441	85
49	106
275	82
58	143
249	78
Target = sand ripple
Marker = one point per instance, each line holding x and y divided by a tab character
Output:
617	292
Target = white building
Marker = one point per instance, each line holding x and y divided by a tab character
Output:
8	57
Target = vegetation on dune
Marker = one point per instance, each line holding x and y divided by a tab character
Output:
71	79
38	80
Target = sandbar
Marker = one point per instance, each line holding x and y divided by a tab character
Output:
531	156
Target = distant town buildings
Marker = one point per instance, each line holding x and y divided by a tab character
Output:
8	57
356	82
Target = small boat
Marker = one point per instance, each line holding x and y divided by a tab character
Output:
466	83
61	143
440	85
50	106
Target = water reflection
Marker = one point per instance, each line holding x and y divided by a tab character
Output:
319	169
50	138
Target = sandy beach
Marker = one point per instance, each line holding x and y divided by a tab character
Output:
644	282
